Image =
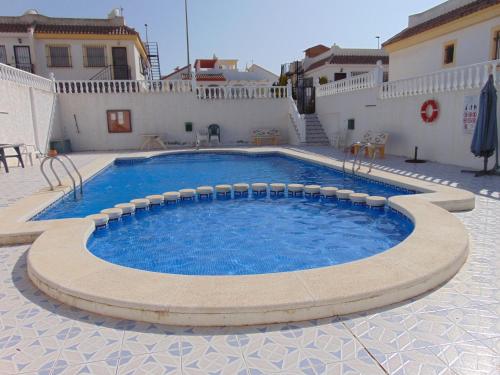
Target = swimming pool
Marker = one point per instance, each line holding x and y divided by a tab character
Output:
248	236
130	179
243	284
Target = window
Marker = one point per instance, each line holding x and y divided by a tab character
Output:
449	53
94	56
58	56
497	46
3	55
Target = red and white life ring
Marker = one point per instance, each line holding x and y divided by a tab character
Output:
429	116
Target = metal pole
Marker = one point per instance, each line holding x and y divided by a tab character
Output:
187	30
378	42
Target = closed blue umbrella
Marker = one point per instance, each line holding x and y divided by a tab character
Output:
485	139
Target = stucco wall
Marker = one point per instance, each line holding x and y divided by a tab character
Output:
78	71
24	119
473	45
165	114
443	141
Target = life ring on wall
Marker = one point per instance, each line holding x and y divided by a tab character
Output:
424	111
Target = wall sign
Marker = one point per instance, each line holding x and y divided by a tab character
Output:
471	109
119	121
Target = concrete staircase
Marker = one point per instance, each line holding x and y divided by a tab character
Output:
315	135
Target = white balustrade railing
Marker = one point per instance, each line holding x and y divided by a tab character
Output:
359	82
242	92
9	73
172	86
297	119
122	87
454	79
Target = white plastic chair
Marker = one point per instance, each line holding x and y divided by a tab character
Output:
338	139
201	136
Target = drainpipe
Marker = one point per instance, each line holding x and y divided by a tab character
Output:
31	43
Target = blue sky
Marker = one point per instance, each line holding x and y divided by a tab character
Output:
267	32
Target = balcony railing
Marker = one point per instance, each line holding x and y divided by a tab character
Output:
361	81
26	67
454	79
9	73
170	86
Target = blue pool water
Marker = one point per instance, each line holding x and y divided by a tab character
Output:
248	235
126	180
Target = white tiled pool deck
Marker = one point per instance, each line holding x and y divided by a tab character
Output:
453	330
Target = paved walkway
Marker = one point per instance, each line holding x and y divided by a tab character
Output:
452	330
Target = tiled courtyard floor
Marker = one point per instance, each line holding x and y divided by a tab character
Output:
452	330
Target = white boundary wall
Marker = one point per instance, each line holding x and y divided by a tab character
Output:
398	114
27	106
164	113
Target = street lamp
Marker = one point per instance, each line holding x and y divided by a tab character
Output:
187	30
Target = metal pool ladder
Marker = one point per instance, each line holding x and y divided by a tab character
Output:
359	150
57	158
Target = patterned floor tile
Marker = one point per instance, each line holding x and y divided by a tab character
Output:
480	322
150	339
387	334
84	346
434	328
330	343
38	354
363	366
412	362
212	354
94	368
271	352
151	363
468	358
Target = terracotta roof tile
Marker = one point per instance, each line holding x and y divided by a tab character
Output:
85	29
349	59
206	63
316	50
442	19
205	76
68	29
353	59
13	28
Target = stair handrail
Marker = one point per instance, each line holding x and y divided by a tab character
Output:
97	76
297	119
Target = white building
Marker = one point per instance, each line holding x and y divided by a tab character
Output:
452	34
336	63
73	48
224	72
269	76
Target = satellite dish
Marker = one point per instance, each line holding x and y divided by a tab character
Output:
30	11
